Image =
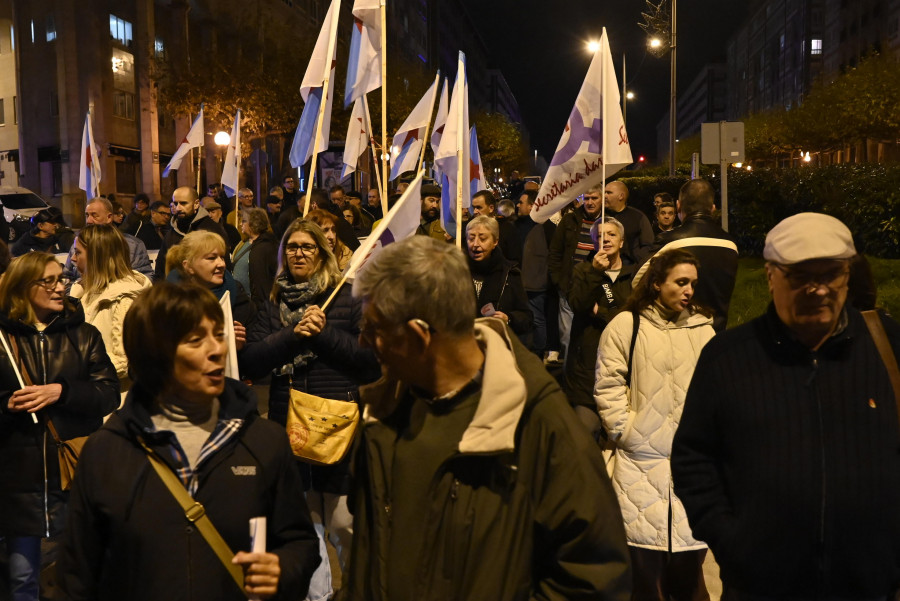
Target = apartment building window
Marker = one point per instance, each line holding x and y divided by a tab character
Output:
159	47
123	105
120	30
815	47
51	28
15	110
2	112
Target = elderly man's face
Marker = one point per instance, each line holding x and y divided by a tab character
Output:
592	200
809	296
96	214
390	343
337	197
246	199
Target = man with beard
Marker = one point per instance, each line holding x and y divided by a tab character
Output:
187	216
430	224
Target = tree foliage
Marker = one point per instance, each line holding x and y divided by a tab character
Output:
860	104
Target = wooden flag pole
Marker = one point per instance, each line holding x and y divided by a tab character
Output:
421	162
461	135
384	147
372	146
237	154
603	149
326	80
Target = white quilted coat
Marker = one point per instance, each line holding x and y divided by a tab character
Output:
643	423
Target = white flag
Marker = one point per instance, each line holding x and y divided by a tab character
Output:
193	139
311	89
440	119
407	144
401	222
364	65
232	171
357	137
455	138
89	174
594	138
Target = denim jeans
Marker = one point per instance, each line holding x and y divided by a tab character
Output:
24	567
537	302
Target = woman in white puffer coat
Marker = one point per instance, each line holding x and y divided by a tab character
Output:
107	288
641	416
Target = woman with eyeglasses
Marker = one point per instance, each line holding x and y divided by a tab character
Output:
107	288
69	381
313	351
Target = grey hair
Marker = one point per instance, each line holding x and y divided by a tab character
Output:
257	219
595	230
506	208
423	278
486	222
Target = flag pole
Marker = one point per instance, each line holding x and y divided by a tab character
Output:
603	148
237	152
461	136
384	146
199	152
437	81
332	35
372	146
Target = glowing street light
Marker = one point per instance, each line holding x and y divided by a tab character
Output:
629	96
655	43
593	46
222	138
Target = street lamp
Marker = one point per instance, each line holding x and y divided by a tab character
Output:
593	46
661	25
222	138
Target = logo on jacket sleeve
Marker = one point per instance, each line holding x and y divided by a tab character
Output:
243	470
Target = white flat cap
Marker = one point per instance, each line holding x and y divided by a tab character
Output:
808	236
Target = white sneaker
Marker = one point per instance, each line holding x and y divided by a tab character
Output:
552	357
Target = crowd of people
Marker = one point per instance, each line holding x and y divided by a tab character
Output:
549	410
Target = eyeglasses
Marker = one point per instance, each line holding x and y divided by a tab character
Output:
250	196
50	283
831	279
307	250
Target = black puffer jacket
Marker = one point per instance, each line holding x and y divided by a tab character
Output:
338	370
128	538
501	285
263	266
718	265
71	353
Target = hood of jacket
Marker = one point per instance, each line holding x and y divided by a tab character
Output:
502	397
200	214
685	319
119	289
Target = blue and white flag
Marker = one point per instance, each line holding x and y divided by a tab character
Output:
407	144
589	149
357	137
455	139
364	65
401	222
89	174
477	179
311	89
231	173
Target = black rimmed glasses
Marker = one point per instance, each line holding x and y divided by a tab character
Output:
50	283
307	250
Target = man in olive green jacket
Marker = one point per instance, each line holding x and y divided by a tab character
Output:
473	477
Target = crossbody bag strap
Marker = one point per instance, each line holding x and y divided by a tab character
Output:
879	337
196	514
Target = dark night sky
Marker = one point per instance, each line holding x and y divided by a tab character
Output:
540	47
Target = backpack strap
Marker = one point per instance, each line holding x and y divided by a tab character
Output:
634	332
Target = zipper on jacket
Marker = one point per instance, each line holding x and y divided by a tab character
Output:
820	543
42	349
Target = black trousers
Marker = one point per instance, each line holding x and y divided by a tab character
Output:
661	576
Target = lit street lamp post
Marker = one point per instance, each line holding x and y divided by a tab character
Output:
656	25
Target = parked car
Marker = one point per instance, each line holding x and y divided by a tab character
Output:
19	204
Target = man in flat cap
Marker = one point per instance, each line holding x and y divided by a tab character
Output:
786	458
